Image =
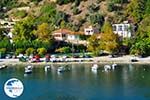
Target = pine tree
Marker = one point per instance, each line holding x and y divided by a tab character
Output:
135	10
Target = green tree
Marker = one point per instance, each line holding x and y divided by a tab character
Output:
23	30
141	47
8	3
135	10
141	44
41	51
30	51
5	43
109	40
20	14
2	33
147	10
63	50
43	32
94	45
144	28
96	19
47	13
19	51
2	52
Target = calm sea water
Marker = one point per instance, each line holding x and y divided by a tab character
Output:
126	82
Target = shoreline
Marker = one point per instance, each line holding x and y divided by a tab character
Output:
98	60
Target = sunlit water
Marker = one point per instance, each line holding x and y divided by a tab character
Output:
126	82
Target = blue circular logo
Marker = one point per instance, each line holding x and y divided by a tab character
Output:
13	88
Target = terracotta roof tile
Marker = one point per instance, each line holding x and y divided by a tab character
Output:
66	31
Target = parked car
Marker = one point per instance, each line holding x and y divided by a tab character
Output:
36	58
22	59
47	58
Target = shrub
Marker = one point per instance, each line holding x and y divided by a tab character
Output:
96	19
41	51
93	8
19	51
77	2
30	51
75	11
2	52
20	14
64	50
110	7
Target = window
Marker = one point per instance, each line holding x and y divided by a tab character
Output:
114	28
125	28
120	28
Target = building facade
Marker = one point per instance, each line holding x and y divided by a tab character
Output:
90	30
124	29
65	35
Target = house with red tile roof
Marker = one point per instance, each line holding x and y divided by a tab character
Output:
66	35
90	30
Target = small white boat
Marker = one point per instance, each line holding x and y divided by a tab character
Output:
94	67
113	66
2	66
28	69
107	67
46	68
61	69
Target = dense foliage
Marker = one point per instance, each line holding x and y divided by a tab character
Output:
34	32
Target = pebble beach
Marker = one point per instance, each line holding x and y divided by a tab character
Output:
101	60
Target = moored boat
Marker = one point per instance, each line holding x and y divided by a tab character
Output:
63	68
46	68
113	66
28	69
94	67
3	66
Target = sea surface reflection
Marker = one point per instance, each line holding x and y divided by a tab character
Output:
126	82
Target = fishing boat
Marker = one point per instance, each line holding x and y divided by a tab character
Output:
63	69
28	69
113	66
46	68
107	67
3	66
94	67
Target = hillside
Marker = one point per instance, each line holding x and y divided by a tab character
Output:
80	13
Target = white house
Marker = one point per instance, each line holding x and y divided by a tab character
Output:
90	30
124	29
71	37
6	24
64	34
